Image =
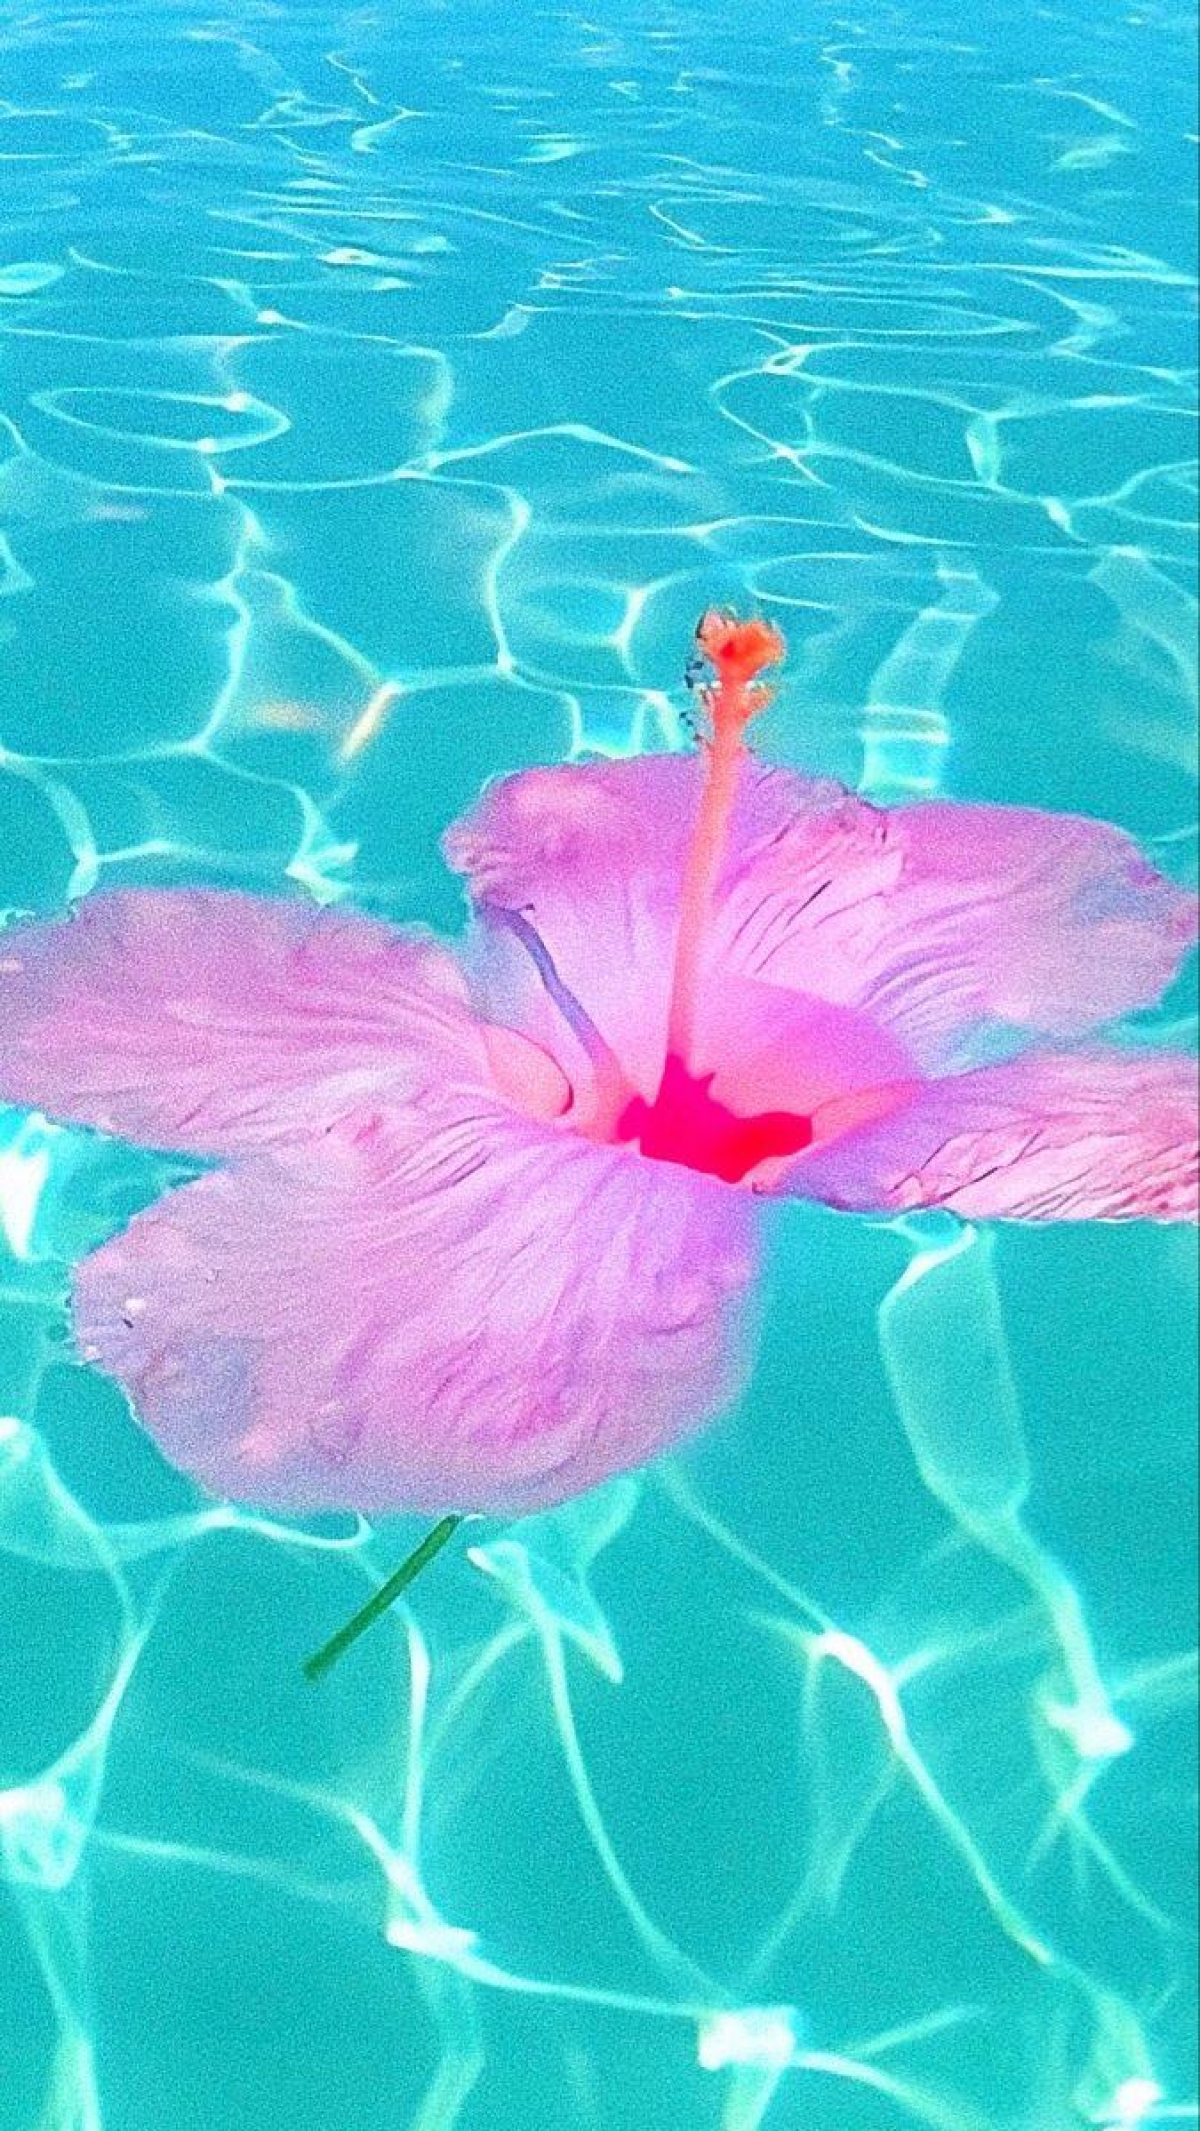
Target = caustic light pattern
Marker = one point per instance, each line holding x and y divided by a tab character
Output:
482	1227
377	413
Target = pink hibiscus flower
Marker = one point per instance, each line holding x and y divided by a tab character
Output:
482	1228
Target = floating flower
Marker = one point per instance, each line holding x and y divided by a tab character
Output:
482	1228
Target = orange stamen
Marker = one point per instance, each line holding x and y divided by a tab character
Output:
736	651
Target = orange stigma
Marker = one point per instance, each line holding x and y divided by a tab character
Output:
736	651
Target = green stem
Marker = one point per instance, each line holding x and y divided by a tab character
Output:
327	1656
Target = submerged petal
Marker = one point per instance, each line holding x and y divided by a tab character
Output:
467	1313
212	1022
1105	1135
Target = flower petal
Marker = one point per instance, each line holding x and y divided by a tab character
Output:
952	925
1106	1135
1051	924
786	1050
477	1314
575	872
943	922
214	1022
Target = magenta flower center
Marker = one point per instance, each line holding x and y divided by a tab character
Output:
686	1124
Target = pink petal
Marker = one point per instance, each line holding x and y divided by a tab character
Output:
946	922
786	1050
576	872
1090	1135
934	920
1050	923
475	1313
214	1022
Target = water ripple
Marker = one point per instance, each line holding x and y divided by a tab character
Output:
377	410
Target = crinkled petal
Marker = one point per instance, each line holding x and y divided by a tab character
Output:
575	873
1048	924
214	1022
1104	1135
480	1314
942	922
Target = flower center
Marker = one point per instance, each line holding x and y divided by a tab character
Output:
686	1124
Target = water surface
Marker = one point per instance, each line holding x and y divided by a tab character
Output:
383	392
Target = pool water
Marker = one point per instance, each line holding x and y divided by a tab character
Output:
383	393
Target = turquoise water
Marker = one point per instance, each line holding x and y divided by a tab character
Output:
382	395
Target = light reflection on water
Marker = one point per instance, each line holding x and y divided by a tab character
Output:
380	405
